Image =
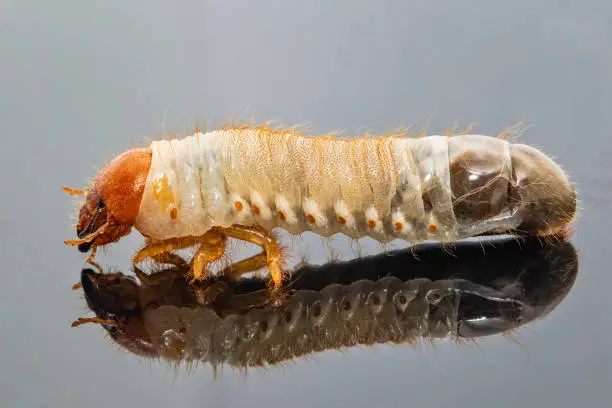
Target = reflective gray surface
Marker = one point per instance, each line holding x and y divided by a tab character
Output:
81	83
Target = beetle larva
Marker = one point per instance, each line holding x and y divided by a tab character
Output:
243	182
375	300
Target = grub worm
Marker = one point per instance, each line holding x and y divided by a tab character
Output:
242	182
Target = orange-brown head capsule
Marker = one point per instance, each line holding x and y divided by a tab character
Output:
113	202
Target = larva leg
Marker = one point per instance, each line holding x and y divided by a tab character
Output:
245	266
169	258
209	294
159	249
267	242
212	249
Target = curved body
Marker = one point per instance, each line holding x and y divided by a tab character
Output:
416	189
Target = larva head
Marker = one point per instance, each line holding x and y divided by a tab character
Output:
115	299
112	204
545	197
127	310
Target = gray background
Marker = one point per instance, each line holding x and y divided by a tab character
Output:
83	81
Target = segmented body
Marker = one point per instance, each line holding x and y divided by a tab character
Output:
385	188
364	312
480	290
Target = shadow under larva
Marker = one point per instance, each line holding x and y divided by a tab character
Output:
482	289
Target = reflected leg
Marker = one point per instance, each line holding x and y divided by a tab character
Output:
207	295
92	263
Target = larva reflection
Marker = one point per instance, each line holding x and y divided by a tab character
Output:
243	182
403	297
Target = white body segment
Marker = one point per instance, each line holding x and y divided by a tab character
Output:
386	188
